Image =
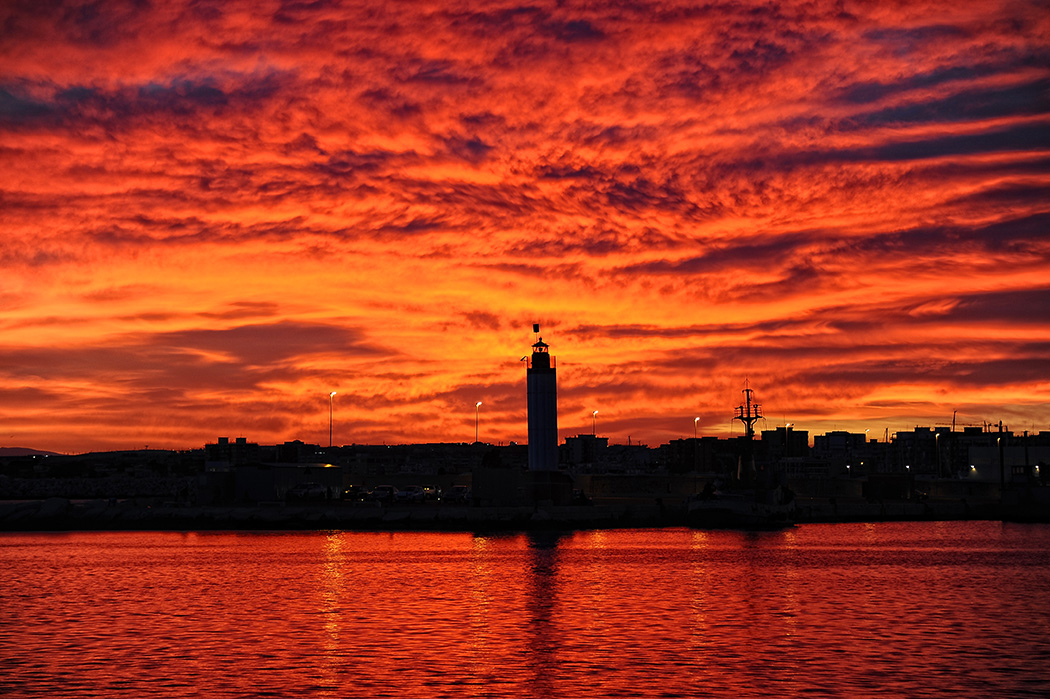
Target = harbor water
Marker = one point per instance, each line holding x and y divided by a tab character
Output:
912	609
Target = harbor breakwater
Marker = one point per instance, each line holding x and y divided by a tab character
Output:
62	514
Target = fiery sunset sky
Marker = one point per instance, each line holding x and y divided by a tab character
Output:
216	212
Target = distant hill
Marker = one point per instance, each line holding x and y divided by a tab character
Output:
24	451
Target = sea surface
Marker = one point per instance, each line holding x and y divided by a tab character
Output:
957	609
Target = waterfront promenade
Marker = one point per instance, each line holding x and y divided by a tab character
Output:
62	514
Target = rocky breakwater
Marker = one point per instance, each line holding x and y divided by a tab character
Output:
63	514
60	514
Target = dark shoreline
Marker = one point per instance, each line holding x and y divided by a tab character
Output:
60	514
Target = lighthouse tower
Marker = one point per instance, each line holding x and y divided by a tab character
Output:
543	408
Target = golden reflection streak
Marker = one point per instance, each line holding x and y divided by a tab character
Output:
699	545
481	570
331	584
791	580
543	584
597	584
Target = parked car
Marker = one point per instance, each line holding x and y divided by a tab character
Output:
410	493
382	493
432	492
457	494
307	491
354	493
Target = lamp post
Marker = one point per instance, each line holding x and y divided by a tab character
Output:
477	417
1002	466
594	421
331	411
937	448
696	449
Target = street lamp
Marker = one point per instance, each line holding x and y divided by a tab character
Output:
696	422
594	420
477	416
331	410
937	448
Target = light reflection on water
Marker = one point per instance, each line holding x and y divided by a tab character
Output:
900	609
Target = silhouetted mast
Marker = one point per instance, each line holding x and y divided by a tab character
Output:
749	413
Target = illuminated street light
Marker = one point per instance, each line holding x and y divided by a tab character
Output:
696	422
331	410
937	448
477	416
594	421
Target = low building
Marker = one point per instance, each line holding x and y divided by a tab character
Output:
224	454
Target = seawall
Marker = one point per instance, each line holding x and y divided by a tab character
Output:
60	514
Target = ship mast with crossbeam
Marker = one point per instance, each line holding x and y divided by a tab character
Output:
749	412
